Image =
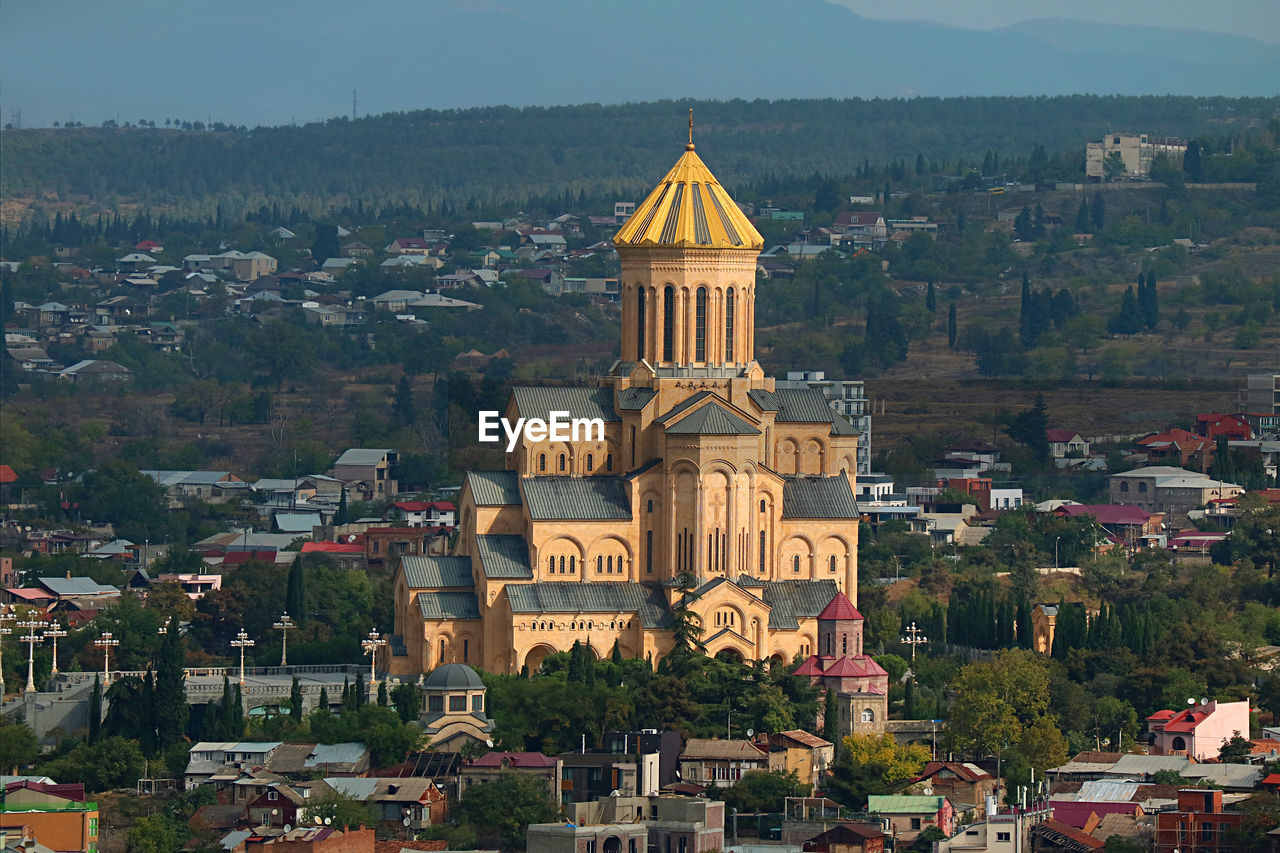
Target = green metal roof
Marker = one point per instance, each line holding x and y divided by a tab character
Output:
576	498
683	406
818	497
448	605
904	803
791	601
712	419
802	406
635	399
504	556
647	602
534	401
494	488
437	572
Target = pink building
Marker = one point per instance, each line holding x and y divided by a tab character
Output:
1198	732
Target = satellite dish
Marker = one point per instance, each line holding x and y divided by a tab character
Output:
1191	701
750	732
318	820
328	821
1204	700
275	811
288	827
488	742
927	791
406	821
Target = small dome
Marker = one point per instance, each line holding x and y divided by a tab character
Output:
453	676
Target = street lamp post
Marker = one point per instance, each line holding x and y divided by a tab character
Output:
242	642
914	638
371	644
1055	551
53	632
105	642
31	626
284	625
6	615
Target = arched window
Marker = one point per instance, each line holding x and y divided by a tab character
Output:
762	507
599	564
700	326
590	462
639	324
572	566
844	644
542	462
648	551
868	715
649	508
551	565
608	462
795	563
1124	486
441	660
609	566
762	552
1142	487
563	460
728	325
1179	743
832	562
668	322
562	565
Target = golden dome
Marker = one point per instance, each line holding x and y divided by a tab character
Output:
689	209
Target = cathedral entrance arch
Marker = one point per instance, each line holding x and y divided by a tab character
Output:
731	655
535	656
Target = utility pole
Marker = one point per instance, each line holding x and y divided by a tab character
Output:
353	104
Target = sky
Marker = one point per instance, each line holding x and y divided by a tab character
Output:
281	61
1257	19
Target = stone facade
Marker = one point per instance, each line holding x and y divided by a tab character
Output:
709	487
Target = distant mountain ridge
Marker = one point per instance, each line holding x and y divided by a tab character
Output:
303	61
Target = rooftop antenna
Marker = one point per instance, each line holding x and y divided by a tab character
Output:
353	104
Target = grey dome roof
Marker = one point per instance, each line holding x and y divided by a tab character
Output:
453	676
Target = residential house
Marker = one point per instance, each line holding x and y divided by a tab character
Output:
1137	151
1198	732
861	229
1200	824
1130	524
1261	395
587	776
314	839
1178	447
58	817
718	763
905	816
208	757
1159	488
90	371
633	825
657	755
1064	443
348	556
1056	836
194	585
1007	831
848	837
135	261
337	266
252	265
1234	427
963	784
425	513
546	769
80	590
369	470
408	246
807	755
338	316
398	802
285	803
356	249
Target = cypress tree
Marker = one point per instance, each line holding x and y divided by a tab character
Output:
931	299
359	693
616	654
1023	617
295	700
1026	313
1151	303
324	699
830	718
909	698
952	331
382	693
170	693
1082	218
1098	212
148	715
343	515
295	596
95	710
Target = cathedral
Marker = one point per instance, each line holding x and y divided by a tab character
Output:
710	488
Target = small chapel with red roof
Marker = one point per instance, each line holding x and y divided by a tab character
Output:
861	685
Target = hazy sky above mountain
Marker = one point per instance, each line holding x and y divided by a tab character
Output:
253	62
1257	19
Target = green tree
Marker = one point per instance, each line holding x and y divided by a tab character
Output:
342	811
830	717
1192	164
95	710
764	791
1113	166
170	697
403	411
295	700
153	834
1030	428
1098	212
326	244
996	700
501	810
19	746
952	328
295	598
407	700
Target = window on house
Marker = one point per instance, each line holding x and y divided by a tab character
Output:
542	462
599	564
795	563
1002	836
915	823
650	507
457	704
868	715
562	565
591	462
572	566
477	703
562	463
466	651
832	562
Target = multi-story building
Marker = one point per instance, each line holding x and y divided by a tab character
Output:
1137	151
55	816
369	471
846	396
697	484
1200	731
1199	823
1261	393
718	763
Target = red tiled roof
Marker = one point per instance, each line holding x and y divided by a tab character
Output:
1060	435
235	558
964	771
398	846
423	506
860	666
1076	813
70	791
1186	721
809	667
1271	779
517	759
30	594
1055	825
7	475
840	607
1161	715
1107	513
332	548
802	737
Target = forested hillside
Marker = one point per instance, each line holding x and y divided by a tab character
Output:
477	158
